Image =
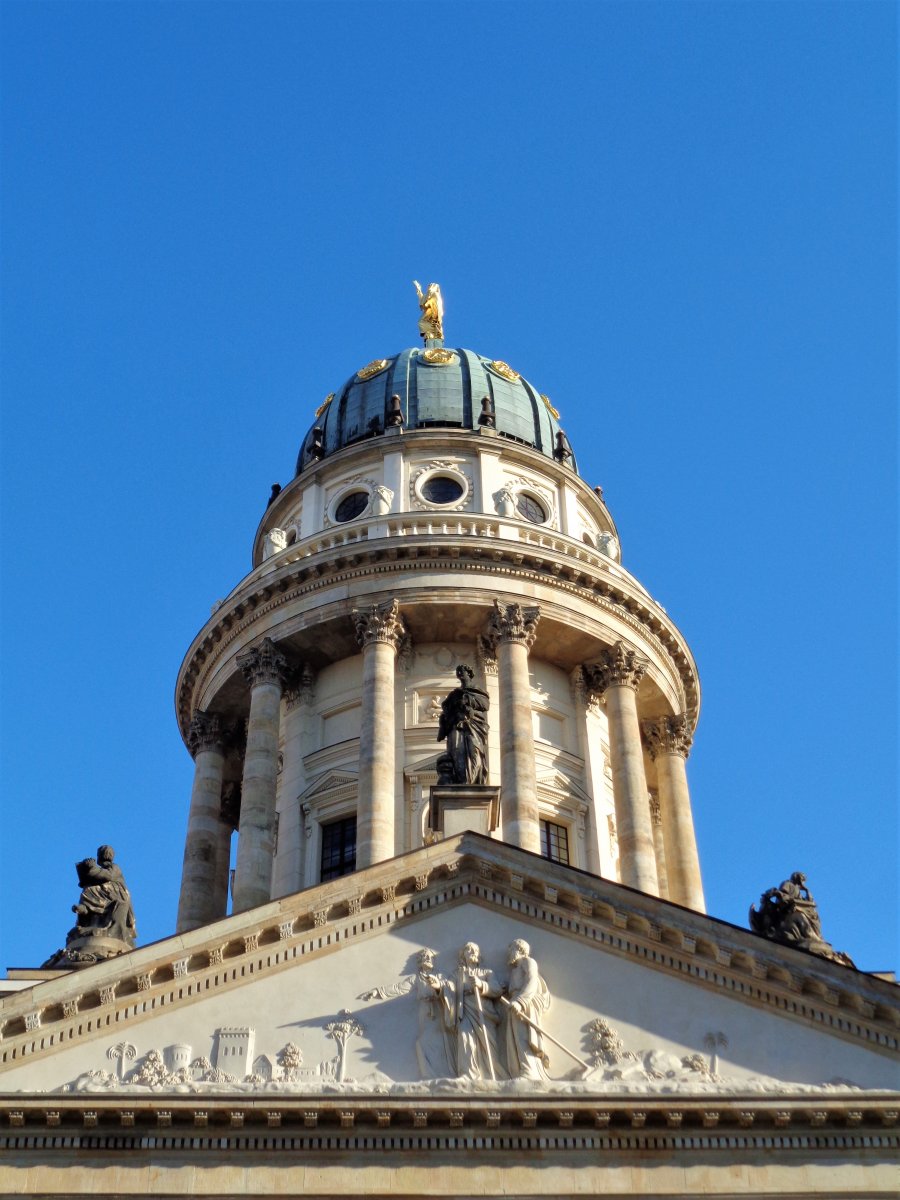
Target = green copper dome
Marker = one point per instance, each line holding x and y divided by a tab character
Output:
438	388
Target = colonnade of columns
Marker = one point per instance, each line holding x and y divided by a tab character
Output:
658	861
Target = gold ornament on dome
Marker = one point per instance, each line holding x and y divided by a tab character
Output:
431	302
372	368
550	409
504	370
438	358
328	399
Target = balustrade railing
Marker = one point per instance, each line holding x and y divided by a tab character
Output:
344	539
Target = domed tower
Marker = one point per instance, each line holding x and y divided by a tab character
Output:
436	517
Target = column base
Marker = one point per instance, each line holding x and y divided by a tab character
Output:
458	807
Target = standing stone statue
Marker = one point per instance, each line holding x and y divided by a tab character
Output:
789	915
527	998
464	724
105	925
473	1017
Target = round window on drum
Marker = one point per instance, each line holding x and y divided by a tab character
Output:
531	509
351	506
442	489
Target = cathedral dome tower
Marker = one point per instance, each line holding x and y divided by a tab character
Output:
436	517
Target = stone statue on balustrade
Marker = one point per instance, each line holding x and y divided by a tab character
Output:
464	725
105	925
789	915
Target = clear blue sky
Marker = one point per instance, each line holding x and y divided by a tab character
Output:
677	219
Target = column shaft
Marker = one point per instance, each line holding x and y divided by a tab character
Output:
375	815
380	631
256	838
659	846
222	876
637	857
518	783
682	859
198	902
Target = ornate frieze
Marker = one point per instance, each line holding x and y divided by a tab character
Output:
668	735
618	666
512	623
263	664
380	623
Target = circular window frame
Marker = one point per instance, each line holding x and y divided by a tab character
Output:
338	499
442	473
527	494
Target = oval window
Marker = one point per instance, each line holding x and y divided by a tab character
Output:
530	509
351	506
442	489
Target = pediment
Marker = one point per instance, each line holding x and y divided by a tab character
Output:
328	784
320	992
556	782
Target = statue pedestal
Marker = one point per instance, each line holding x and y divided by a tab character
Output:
83	950
455	808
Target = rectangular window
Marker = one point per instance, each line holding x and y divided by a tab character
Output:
338	848
555	842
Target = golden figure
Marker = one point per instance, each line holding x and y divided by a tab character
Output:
431	325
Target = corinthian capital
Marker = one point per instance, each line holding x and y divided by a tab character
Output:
204	732
512	623
668	735
380	623
618	664
263	664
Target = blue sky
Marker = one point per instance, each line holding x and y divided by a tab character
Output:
677	219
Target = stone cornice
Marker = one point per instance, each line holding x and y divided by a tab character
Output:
85	1004
206	1126
498	560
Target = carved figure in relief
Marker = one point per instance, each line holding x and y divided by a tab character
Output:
431	324
105	903
788	914
464	725
473	1018
527	999
434	1053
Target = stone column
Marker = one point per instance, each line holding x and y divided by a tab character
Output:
199	902
380	631
511	630
669	742
264	668
617	676
296	737
659	845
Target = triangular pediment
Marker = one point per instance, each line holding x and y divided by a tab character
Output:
557	782
329	784
643	994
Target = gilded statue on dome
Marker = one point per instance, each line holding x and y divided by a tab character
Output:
431	324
